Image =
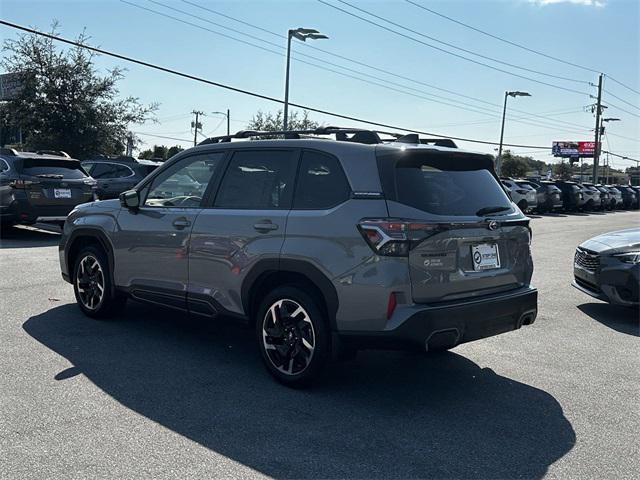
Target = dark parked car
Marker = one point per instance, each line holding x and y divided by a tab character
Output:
612	196
552	197
325	246
41	187
572	197
637	190
607	267
628	196
114	175
616	195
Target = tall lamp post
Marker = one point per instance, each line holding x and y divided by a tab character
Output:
504	113
228	116
301	34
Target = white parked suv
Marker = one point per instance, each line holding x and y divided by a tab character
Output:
524	196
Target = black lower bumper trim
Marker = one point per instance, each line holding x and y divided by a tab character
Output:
450	325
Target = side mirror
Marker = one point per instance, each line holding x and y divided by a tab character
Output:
130	199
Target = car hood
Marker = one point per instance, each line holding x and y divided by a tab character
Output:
619	240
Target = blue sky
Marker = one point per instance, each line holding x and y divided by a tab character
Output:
598	34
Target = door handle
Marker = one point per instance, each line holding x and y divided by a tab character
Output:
181	223
265	226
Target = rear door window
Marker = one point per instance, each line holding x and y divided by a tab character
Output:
69	169
448	187
321	182
121	171
102	170
258	180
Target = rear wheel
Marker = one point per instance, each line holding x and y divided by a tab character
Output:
92	284
522	205
293	336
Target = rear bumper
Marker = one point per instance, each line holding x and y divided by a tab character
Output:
448	325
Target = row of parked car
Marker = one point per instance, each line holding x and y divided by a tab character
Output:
542	196
45	186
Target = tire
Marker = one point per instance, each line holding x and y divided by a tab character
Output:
92	284
294	348
522	205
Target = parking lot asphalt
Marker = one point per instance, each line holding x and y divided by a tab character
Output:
155	394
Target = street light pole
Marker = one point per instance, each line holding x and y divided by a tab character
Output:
301	34
285	119
228	116
504	114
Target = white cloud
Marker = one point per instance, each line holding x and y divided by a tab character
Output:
588	3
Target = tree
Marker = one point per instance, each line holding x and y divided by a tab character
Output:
173	151
514	165
270	122
563	170
64	104
160	152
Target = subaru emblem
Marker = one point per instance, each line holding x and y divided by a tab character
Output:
493	225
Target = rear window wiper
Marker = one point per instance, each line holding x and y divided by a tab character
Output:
50	175
487	210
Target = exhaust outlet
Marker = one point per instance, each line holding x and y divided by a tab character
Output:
442	340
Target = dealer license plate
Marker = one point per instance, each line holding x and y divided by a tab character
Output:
62	192
485	256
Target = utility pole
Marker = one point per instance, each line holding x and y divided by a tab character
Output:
596	150
228	122
196	125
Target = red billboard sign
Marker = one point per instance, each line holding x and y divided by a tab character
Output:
573	149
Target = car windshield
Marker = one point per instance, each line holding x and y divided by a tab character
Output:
37	167
448	188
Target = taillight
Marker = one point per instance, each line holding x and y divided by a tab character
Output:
393	238
391	306
22	184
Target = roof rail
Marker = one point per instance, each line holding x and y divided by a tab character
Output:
11	152
356	135
57	153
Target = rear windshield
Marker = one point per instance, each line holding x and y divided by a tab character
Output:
52	168
444	188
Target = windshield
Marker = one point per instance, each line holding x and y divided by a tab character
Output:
449	192
53	168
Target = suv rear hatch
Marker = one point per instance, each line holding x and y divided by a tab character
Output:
463	237
54	186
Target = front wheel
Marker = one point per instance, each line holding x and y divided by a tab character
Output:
92	284
293	336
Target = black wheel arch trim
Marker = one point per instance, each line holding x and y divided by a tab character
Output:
102	239
301	267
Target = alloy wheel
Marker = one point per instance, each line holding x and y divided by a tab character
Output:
288	336
90	282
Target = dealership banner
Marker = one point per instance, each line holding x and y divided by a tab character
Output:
573	149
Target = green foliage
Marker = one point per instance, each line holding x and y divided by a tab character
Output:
563	170
270	122
161	152
514	165
64	103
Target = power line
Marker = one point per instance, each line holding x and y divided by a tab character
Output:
531	50
160	136
450	53
611	105
461	105
352	60
460	48
623	85
622	100
248	92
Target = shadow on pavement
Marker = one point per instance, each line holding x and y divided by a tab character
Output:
388	414
20	237
621	319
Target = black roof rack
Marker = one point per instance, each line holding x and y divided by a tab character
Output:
356	135
57	153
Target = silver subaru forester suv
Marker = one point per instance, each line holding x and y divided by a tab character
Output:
326	246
